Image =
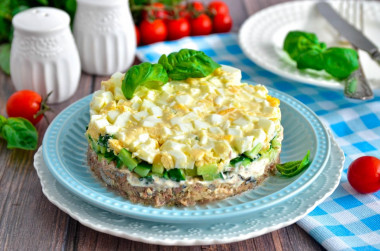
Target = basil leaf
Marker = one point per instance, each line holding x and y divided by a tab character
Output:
298	42
188	63
293	168
3	120
19	133
312	59
145	74
340	62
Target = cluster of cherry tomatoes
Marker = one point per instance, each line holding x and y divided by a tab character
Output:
159	22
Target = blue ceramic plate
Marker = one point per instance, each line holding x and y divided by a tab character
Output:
260	222
65	147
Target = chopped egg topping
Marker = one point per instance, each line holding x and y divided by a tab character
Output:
187	123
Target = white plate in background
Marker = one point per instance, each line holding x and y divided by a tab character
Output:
262	35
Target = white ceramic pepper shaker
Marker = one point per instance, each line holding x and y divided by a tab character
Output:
105	36
44	56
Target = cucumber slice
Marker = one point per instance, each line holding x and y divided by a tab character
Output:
269	154
252	154
127	159
210	169
176	174
143	169
158	169
241	160
100	157
246	162
208	177
103	149
191	172
275	143
165	175
95	146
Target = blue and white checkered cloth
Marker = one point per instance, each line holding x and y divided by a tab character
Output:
346	220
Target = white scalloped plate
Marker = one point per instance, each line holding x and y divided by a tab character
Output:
65	148
225	231
262	35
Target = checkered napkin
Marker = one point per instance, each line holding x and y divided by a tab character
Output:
346	220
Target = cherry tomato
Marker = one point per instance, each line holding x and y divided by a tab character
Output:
197	6
218	7
152	32
185	14
137	35
157	11
364	174
178	11
201	25
26	104
222	23
178	28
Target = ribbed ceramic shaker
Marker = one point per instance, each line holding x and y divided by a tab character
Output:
44	56
105	36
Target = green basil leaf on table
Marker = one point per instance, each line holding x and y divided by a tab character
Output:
145	74
19	133
298	42
188	63
3	120
312	59
309	53
340	62
5	54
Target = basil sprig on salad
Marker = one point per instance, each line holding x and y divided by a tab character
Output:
19	133
145	74
180	65
308	52
188	64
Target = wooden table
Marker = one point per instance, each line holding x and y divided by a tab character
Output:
28	221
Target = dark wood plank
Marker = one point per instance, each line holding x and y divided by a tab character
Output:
28	219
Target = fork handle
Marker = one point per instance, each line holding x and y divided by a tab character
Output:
356	86
375	55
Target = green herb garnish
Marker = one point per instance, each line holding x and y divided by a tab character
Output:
292	168
340	62
145	74
19	133
177	66
298	42
188	63
309	53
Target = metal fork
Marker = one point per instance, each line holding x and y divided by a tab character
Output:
356	85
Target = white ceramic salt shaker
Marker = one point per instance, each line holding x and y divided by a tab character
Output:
44	56
105	36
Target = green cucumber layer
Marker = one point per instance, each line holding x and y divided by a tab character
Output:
209	172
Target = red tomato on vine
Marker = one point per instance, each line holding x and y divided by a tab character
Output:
153	31
27	104
178	28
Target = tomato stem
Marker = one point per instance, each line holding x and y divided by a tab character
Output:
44	107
